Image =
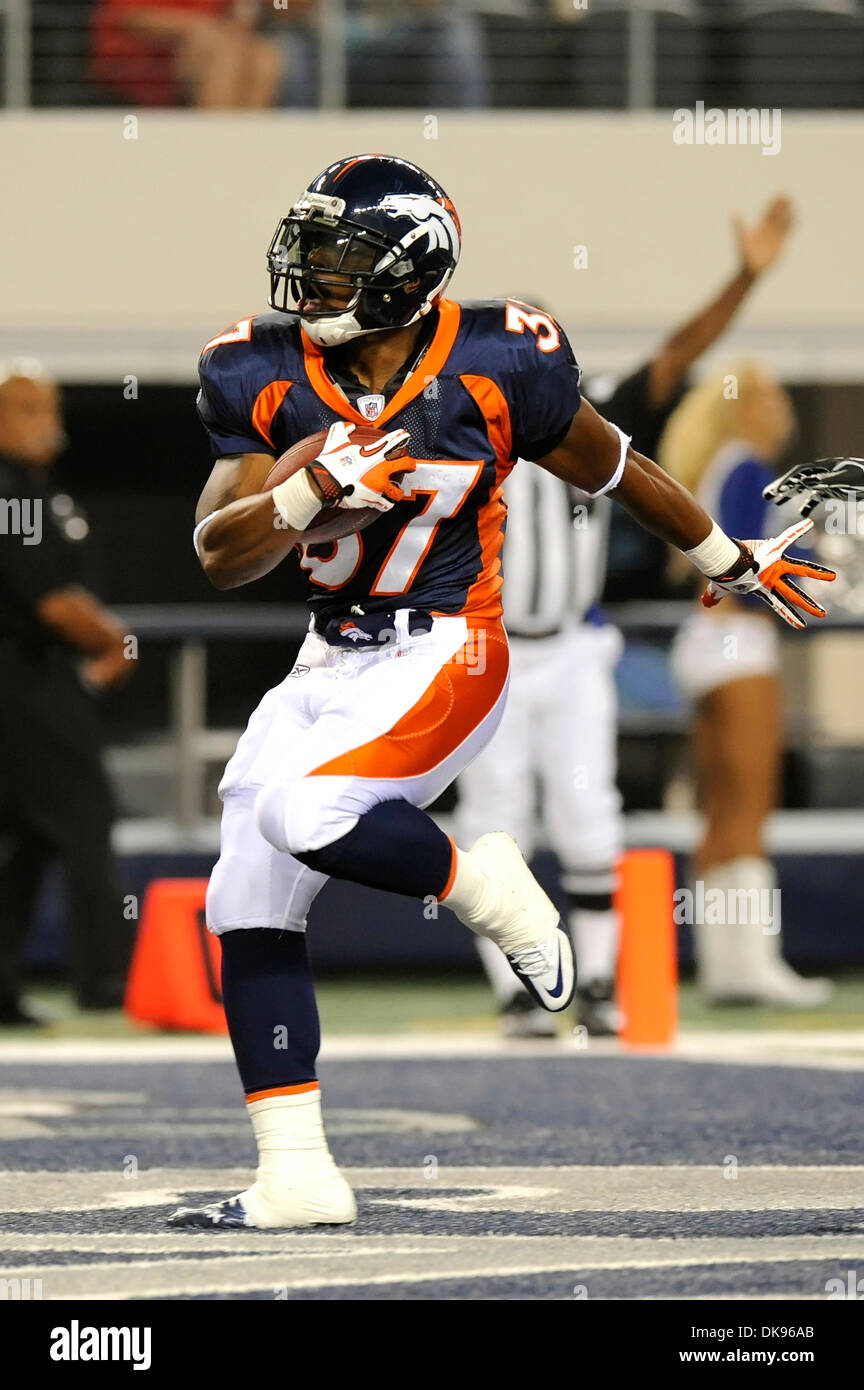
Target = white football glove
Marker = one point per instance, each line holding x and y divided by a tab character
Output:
765	576
359	475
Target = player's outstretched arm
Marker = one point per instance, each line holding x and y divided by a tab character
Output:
596	457
239	535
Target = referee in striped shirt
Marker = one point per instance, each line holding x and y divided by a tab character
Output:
558	736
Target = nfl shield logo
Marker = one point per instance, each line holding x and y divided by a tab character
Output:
370	407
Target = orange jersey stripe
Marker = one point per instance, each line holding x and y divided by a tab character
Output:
282	1091
449	709
489	398
449	315
267	402
483	598
324	388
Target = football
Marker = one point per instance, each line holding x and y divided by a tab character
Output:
331	523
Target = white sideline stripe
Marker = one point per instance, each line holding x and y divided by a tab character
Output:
469	1257
575	1188
836	1049
52	1051
788	832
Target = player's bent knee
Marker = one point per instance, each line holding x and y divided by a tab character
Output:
272	815
297	816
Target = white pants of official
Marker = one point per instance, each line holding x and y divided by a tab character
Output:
346	730
559	729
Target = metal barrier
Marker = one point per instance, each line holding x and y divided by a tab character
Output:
459	54
193	626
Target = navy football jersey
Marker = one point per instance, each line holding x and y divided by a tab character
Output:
497	382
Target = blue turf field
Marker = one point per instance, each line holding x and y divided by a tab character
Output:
491	1177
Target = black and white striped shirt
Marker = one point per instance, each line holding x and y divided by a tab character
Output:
554	556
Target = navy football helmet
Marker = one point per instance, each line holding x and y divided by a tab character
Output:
370	245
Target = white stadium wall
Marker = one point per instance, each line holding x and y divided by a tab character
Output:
123	254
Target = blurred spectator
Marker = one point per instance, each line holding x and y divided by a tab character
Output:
55	802
428	53
722	443
293	27
203	53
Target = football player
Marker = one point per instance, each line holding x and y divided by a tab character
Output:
337	763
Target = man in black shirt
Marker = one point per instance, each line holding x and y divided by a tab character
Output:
54	797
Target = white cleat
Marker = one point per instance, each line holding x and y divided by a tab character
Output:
307	1203
780	987
547	971
525	923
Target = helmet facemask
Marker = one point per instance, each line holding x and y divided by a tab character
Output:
345	279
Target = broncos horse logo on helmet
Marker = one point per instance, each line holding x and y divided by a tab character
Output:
371	244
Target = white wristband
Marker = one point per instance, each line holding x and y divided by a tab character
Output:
715	555
296	502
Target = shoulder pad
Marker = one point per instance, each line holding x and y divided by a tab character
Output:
519	334
256	333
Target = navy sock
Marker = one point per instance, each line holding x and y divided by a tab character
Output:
270	1006
395	846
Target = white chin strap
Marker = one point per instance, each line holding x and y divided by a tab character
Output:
344	327
331	332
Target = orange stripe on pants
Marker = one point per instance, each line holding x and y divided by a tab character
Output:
448	711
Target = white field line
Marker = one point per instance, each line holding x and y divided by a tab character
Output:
468	1257
664	1188
836	1049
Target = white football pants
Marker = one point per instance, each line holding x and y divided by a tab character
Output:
346	730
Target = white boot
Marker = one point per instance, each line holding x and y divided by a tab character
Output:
297	1184
741	961
497	896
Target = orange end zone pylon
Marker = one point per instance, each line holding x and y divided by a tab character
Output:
174	981
647	985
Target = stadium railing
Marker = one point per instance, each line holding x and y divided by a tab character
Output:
593	54
191	628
